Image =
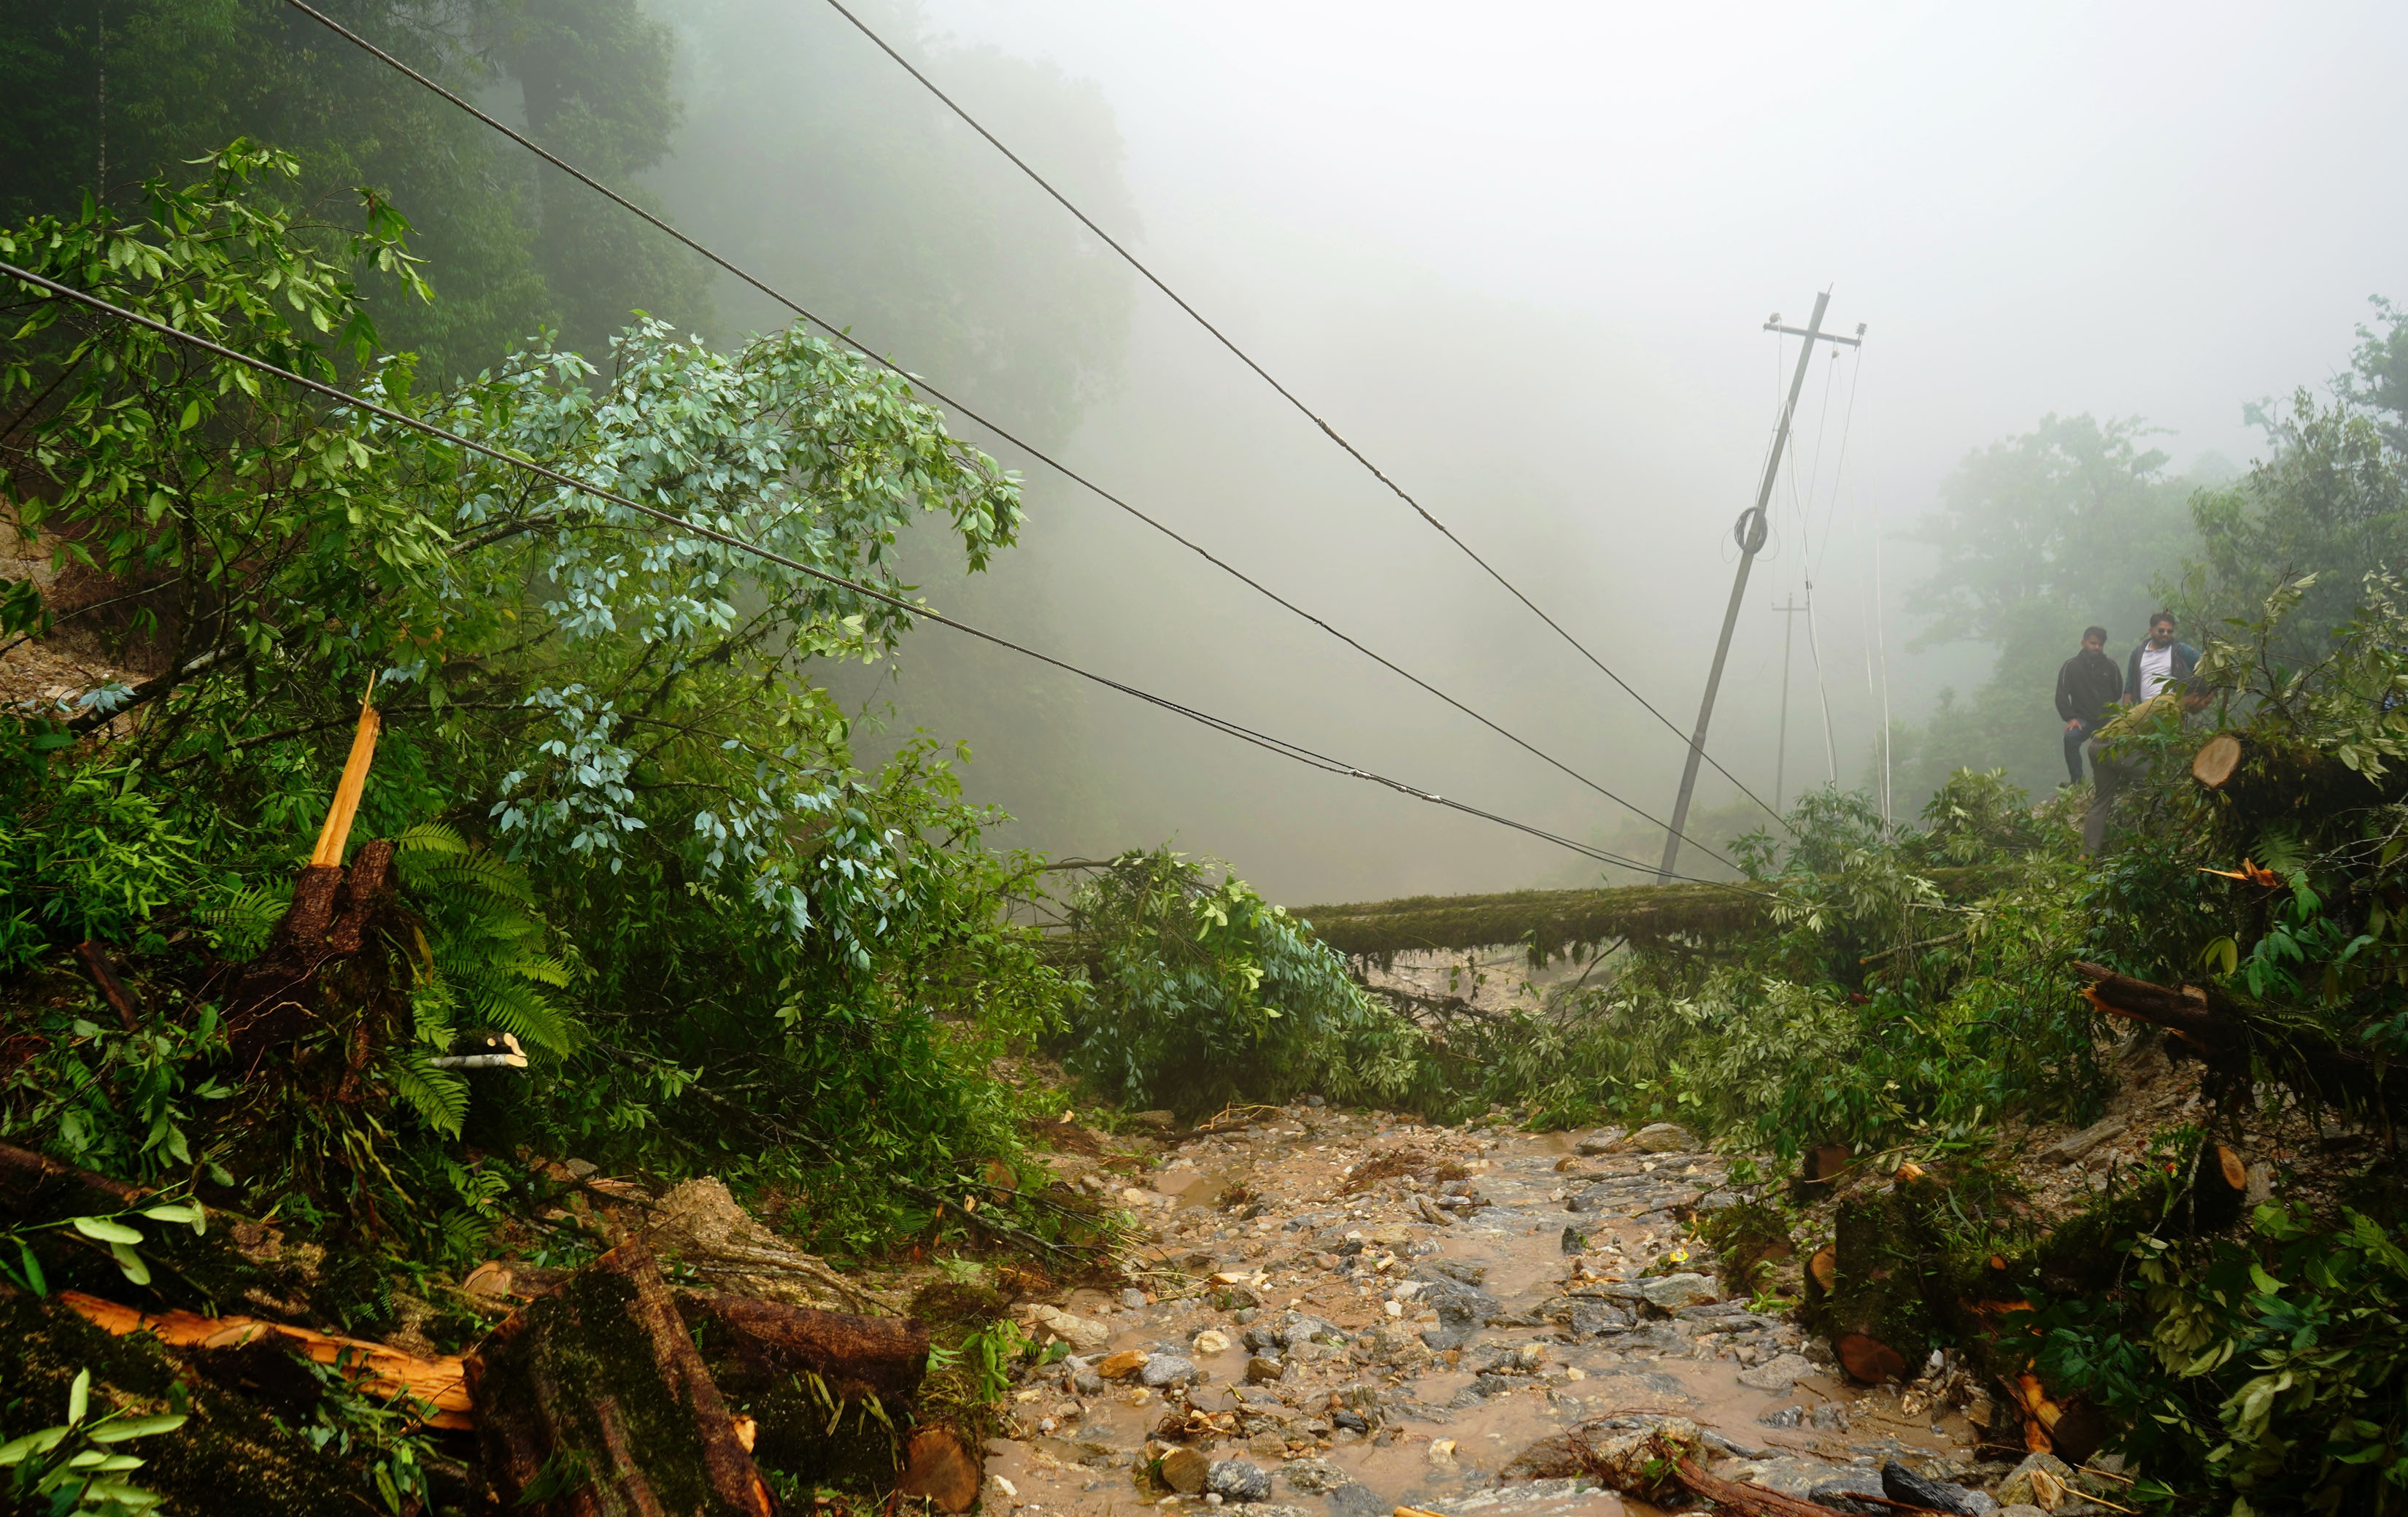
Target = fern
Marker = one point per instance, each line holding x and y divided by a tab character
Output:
241	918
439	1097
486	951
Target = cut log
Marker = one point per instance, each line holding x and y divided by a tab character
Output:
2216	760
2236	1174
593	1402
1824	1164
375	1367
1870	1359
942	1469
1823	1269
884	1356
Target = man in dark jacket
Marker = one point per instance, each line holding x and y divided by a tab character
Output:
2086	685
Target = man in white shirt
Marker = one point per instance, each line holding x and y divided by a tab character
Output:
2158	661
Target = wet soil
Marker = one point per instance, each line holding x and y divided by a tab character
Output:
1399	1360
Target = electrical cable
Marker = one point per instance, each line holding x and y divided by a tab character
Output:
1276	745
1032	450
1285	393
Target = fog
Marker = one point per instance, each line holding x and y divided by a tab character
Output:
1521	256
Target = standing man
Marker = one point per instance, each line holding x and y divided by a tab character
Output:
2158	661
2160	666
2086	684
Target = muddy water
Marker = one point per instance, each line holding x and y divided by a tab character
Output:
1393	1408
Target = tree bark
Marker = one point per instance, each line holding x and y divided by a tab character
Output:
593	1402
883	1356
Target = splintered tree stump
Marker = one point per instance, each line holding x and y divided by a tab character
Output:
883	1356
593	1402
942	1469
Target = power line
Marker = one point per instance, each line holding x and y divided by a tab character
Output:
1030	449
1276	745
1285	393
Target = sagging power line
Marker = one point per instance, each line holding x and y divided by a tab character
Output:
998	429
1286	749
1290	397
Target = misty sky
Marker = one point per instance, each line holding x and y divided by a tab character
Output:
1521	255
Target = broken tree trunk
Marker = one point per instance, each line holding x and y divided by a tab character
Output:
2295	1048
882	1356
593	1402
375	1367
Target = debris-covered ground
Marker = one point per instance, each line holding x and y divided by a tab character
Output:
1354	1314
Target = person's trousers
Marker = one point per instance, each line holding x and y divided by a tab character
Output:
2108	776
2074	738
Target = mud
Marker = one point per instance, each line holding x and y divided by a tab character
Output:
1450	1348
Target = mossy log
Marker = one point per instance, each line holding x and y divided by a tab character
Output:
593	1402
229	1456
205	1272
1553	922
881	1356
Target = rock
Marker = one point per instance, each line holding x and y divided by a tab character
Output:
1777	1376
1155	1122
1238	1479
1664	1138
1625	1459
1840	1490
1353	1500
1083	1335
1574	1240
1212	1341
2070	1150
1670	1293
1901	1484
1831	1417
1431	1213
1133	1298
1122	1364
1163	1369
1594	1198
2021	1488
1604	1140
2022	1508
1262	1371
1595	1319
1299	1329
1782	1416
1352	1422
1186	1471
1314	1477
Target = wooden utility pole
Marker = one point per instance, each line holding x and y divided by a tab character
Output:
1749	533
1781	759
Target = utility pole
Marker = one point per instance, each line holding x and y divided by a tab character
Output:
1749	533
1781	760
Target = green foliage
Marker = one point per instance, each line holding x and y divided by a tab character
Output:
2273	1366
77	1466
1201	993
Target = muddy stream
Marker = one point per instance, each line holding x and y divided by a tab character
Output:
1355	1313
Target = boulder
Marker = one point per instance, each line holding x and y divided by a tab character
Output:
1184	1470
1238	1480
1776	1377
1902	1484
1670	1293
1085	1334
1166	1369
1664	1138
